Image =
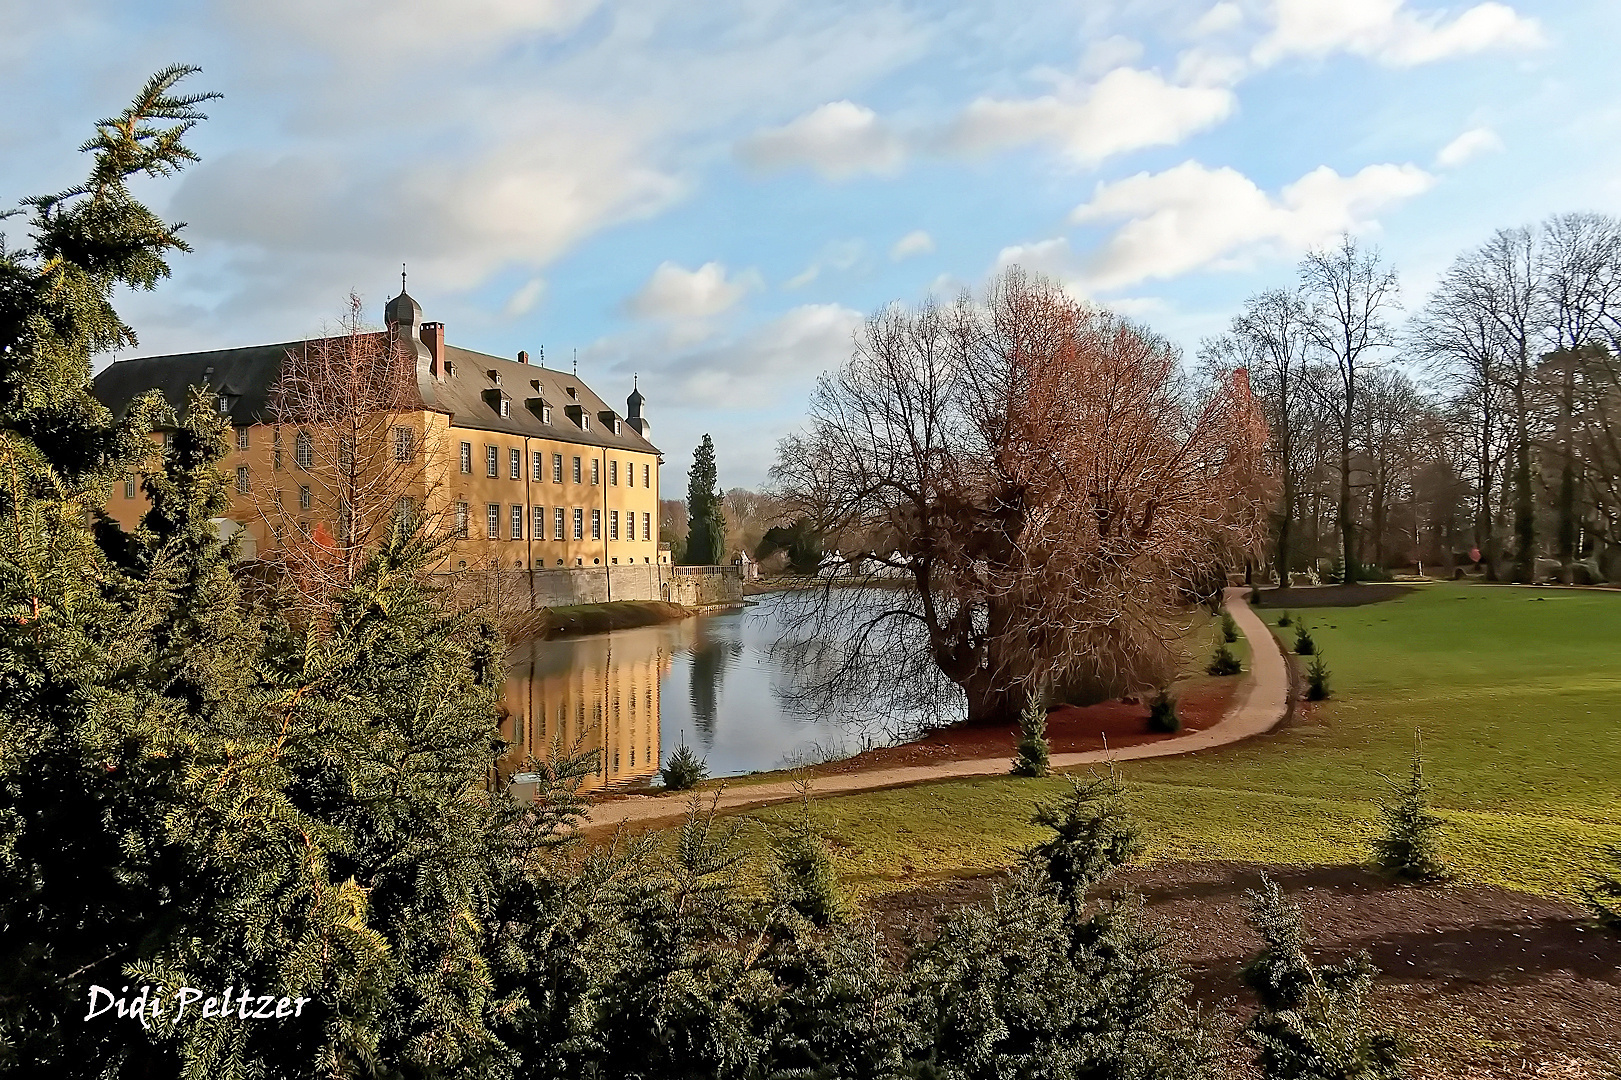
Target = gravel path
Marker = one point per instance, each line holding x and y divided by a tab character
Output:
1260	706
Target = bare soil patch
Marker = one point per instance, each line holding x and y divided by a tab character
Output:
1484	982
1314	596
1070	729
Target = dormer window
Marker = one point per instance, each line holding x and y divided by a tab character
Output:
545	414
573	393
495	376
498	400
224	403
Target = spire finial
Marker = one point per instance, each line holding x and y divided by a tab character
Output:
633	378
576	363
402	277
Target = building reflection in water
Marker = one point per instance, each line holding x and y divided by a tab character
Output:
589	693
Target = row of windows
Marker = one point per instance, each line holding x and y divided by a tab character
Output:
304	446
537	467
566	523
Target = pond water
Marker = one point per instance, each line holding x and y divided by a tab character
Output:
635	695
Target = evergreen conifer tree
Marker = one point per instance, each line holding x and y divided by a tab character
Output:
1410	847
1313	1021
1031	753
706	524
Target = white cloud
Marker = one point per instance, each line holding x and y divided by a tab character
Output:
389	27
1391	33
837	255
1191	217
916	242
674	292
1050	258
1219	19
1127	109
1106	54
750	371
1471	144
525	297
839	140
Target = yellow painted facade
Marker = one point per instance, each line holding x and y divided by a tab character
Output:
552	503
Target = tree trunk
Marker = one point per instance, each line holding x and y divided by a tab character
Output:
1347	521
1525	555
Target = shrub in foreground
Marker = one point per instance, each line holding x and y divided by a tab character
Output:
1313	1022
1304	645
1223	662
802	876
1317	688
1162	715
1032	754
1286	619
684	770
1229	628
1410	848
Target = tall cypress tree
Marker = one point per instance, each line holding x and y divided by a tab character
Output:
706	525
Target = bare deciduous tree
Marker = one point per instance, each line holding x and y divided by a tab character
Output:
1351	297
349	440
1028	489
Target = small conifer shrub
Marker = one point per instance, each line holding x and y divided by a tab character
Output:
1304	645
1410	847
1032	754
1093	835
802	876
1229	628
1224	662
684	770
1602	890
1317	688
1313	1021
1255	596
1162	715
1286	619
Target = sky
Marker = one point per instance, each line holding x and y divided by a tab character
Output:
710	197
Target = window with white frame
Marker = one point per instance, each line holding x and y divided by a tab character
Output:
537	462
242	479
129	487
506	406
404	444
304	498
241	438
515	463
467	458
646	472
304	450
576	470
596	524
537	523
557	471
517	522
647	526
558	525
461	518
492	520
613	473
492	461
579	523
596	471
613	524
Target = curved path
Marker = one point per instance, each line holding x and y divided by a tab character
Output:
1262	703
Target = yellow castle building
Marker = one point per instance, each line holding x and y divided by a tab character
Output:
526	466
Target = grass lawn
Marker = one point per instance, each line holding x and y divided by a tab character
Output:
1518	695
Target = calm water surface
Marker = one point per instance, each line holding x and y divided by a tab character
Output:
637	694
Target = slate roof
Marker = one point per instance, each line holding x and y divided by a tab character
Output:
247	375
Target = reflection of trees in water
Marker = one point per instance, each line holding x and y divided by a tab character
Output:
838	658
710	659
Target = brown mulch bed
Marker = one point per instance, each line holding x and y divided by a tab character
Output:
1483	981
1070	729
1332	595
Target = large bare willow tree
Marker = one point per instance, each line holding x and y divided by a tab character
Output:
1023	492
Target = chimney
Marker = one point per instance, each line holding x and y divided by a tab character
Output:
433	336
523	357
